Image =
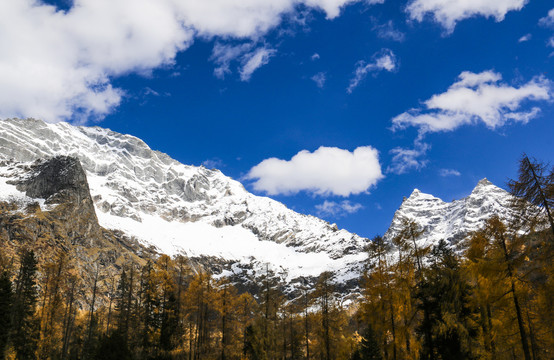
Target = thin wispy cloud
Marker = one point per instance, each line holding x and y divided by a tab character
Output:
337	209
384	60
224	54
408	159
387	31
253	61
525	38
326	171
319	79
448	13
548	21
449	172
214	163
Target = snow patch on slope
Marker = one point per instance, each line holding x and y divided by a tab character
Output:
179	208
451	221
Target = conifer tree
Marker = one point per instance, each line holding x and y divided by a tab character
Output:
451	321
6	300
369	347
25	324
502	255
535	186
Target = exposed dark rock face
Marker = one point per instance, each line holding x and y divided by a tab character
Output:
62	181
62	176
67	224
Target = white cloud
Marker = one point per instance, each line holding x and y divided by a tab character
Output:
319	79
404	159
254	61
214	163
476	97
383	60
387	31
315	56
548	20
326	171
449	12
449	172
224	54
335	209
525	38
59	65
249	58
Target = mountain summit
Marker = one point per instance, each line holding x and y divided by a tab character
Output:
174	208
178	208
451	221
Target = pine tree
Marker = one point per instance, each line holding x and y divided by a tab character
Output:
24	322
445	292
501	254
6	300
535	186
369	347
252	346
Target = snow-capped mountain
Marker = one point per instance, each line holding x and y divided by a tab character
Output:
452	221
179	208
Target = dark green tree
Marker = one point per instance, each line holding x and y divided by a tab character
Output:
25	324
6	299
252	345
369	346
445	294
113	347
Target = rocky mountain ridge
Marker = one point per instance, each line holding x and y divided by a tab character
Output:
186	209
452	221
168	207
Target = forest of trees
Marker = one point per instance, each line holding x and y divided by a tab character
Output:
490	297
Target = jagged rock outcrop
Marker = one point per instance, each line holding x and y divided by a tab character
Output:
54	213
452	221
186	209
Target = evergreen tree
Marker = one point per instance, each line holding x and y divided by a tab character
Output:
451	322
535	186
6	299
500	253
369	347
252	345
24	322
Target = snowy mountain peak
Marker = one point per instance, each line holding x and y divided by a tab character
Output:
452	221
483	183
180	208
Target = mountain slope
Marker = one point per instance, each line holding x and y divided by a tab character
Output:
452	221
185	209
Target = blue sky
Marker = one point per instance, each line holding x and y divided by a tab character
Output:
428	94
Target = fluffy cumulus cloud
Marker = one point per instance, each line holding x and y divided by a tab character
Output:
384	60
476	97
326	171
450	12
337	209
59	65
